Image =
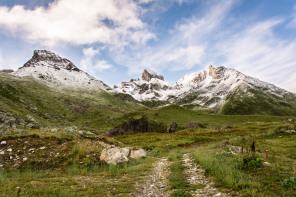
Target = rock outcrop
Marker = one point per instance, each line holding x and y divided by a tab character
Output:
138	153
147	75
52	60
6	71
114	155
141	125
173	127
216	72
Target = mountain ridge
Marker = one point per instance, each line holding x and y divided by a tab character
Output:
218	89
210	88
57	71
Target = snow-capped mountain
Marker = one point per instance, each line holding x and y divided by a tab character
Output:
209	88
57	71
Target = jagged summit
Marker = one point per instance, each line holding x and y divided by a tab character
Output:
213	73
55	70
148	74
208	88
44	57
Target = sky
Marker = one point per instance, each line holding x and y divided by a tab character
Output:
114	40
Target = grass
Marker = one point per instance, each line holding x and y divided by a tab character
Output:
77	171
177	179
256	101
53	107
99	180
263	181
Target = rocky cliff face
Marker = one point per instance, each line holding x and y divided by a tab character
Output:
57	71
147	75
208	88
51	60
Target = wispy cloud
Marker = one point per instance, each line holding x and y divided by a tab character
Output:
113	22
89	62
256	50
102	65
292	23
185	46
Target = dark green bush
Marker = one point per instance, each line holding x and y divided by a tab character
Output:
290	183
252	162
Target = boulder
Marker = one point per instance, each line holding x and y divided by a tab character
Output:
126	151
113	156
266	164
235	149
173	127
138	153
289	132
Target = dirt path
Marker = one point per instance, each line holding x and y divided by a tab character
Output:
196	178
156	182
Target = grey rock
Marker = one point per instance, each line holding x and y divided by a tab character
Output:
266	163
289	131
173	127
138	153
113	156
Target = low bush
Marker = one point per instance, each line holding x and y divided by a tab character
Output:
290	183
251	162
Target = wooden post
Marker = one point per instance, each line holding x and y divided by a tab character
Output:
266	153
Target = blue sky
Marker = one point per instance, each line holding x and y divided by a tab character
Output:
114	40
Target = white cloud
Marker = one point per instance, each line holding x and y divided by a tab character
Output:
86	62
90	64
102	65
145	1
112	22
185	47
292	23
257	51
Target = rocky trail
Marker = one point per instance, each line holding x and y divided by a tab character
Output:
196	178
156	183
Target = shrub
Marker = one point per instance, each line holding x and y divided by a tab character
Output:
290	183
251	162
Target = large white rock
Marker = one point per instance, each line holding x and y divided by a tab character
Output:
125	151
139	153
113	156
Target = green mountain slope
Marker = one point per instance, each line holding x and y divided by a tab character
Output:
247	100
26	100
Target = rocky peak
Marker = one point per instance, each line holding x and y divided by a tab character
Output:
6	71
216	72
148	74
44	57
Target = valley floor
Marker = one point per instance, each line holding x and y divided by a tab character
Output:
215	159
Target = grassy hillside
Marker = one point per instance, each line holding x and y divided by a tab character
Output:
21	97
257	101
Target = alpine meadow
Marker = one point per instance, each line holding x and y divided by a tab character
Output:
204	102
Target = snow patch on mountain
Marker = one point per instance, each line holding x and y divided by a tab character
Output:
207	88
58	72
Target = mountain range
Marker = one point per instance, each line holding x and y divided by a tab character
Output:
51	90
